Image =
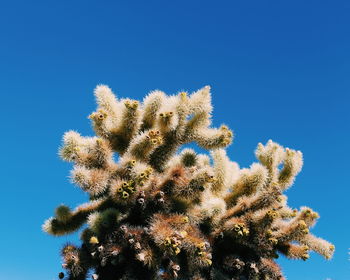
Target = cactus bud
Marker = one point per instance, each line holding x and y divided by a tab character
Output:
93	240
141	200
100	248
137	246
176	267
131	241
201	246
167	241
125	195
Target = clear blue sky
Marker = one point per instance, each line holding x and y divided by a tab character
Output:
278	69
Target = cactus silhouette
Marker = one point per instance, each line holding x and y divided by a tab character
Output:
160	213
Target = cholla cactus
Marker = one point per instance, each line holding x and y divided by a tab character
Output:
159	214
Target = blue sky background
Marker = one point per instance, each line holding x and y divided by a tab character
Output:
278	69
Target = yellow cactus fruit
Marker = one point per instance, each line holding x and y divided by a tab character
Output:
93	240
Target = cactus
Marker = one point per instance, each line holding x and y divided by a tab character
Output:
160	213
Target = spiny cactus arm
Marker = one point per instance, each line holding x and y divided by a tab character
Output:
101	221
292	231
67	221
107	115
91	152
212	138
294	251
194	187
94	181
101	123
307	215
168	115
200	101
76	261
249	182
210	210
151	105
196	122
236	228
161	155
226	172
270	155
130	121
260	200
107	101
144	144
262	220
72	141
318	245
269	268
199	109
292	165
286	212
182	110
